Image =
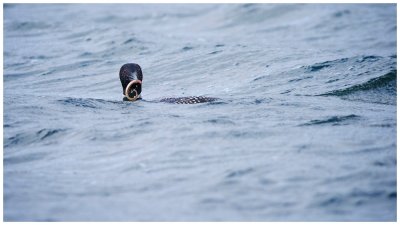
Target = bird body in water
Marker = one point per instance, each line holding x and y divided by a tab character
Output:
131	77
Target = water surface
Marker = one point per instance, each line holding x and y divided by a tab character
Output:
305	128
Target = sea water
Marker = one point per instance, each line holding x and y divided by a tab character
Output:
304	128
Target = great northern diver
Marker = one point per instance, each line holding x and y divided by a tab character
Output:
131	77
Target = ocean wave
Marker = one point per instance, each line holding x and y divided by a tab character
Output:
387	82
380	90
356	197
27	26
91	103
334	120
368	78
32	137
353	61
24	158
255	13
14	76
319	66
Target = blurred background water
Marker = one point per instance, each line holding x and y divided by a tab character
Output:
305	128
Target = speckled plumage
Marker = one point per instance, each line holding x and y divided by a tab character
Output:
189	100
132	71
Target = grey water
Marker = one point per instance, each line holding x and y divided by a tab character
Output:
304	128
